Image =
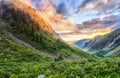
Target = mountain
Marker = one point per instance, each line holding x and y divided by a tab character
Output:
21	60
32	14
116	26
15	50
81	43
27	24
107	45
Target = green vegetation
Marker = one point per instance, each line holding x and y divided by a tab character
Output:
106	68
113	52
10	50
107	44
107	39
18	61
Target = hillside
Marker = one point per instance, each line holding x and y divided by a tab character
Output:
24	27
19	61
34	15
11	49
107	45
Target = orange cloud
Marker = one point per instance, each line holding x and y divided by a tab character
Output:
34	15
48	12
105	1
79	36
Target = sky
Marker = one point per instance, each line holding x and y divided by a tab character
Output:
84	10
74	20
84	18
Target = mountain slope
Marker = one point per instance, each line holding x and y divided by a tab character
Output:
10	50
19	61
81	43
25	27
34	15
109	43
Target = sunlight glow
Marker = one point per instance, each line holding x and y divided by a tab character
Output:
76	36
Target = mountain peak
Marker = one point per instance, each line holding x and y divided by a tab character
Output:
45	26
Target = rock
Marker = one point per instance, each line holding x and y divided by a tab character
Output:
1	54
41	76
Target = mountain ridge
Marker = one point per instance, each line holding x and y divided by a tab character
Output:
104	44
34	15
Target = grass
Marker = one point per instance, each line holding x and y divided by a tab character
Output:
10	50
105	68
113	52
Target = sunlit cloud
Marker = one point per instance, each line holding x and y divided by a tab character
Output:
77	36
48	11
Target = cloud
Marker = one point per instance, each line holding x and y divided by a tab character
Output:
99	24
62	9
73	37
74	6
54	15
92	28
104	6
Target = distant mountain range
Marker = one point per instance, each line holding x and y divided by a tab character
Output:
81	43
107	45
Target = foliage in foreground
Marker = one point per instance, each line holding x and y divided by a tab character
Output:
106	68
